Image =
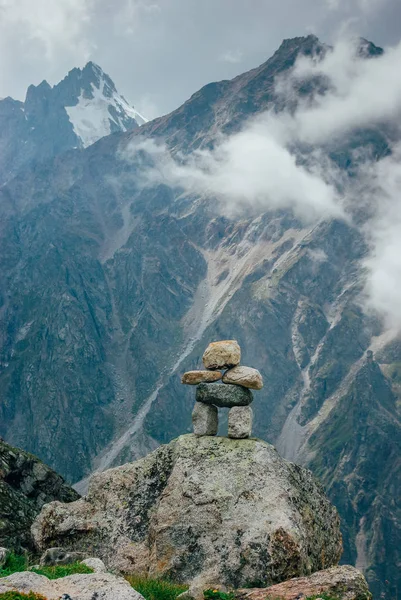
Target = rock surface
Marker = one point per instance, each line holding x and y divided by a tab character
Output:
4	554
240	422
229	512
60	556
245	376
26	484
224	396
344	583
195	377
205	419
95	564
102	586
222	355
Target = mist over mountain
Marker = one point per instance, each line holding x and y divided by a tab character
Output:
263	209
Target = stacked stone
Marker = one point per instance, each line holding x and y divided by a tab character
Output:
231	389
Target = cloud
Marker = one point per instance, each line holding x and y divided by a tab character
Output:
281	161
231	56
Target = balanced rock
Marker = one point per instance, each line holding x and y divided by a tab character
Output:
240	422
221	395
195	377
245	376
222	355
205	419
199	509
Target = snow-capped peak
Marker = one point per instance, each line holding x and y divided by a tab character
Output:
98	109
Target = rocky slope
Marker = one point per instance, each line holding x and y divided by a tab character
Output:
26	484
205	511
109	290
76	112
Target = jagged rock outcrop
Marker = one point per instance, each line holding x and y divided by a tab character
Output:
204	511
74	587
343	583
26	484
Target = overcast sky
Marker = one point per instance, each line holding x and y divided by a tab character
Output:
159	52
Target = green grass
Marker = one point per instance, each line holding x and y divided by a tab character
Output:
156	589
18	596
63	570
217	595
16	563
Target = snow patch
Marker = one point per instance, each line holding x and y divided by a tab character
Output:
93	118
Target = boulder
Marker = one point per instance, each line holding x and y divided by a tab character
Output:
343	583
202	509
26	484
4	554
205	419
95	564
195	377
60	556
240	422
75	587
223	395
245	376
222	355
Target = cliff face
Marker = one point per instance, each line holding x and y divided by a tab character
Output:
26	484
109	290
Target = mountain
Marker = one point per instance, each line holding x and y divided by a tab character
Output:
75	113
110	289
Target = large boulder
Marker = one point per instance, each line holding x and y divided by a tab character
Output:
343	583
26	484
209	509
75	587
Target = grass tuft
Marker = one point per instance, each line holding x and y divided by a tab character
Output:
16	563
155	589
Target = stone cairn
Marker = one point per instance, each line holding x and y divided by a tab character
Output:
231	389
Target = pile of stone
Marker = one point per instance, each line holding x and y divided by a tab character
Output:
230	389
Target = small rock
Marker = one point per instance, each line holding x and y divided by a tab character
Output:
240	422
223	395
60	556
4	554
95	564
222	355
195	377
245	376
205	419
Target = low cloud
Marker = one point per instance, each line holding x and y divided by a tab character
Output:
281	161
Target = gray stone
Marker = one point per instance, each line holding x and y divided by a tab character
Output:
77	587
4	554
202	509
95	564
245	376
205	419
60	556
222	355
240	422
223	395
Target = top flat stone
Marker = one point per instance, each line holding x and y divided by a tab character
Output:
245	376
222	355
195	377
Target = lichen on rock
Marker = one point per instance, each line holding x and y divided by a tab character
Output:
202	509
